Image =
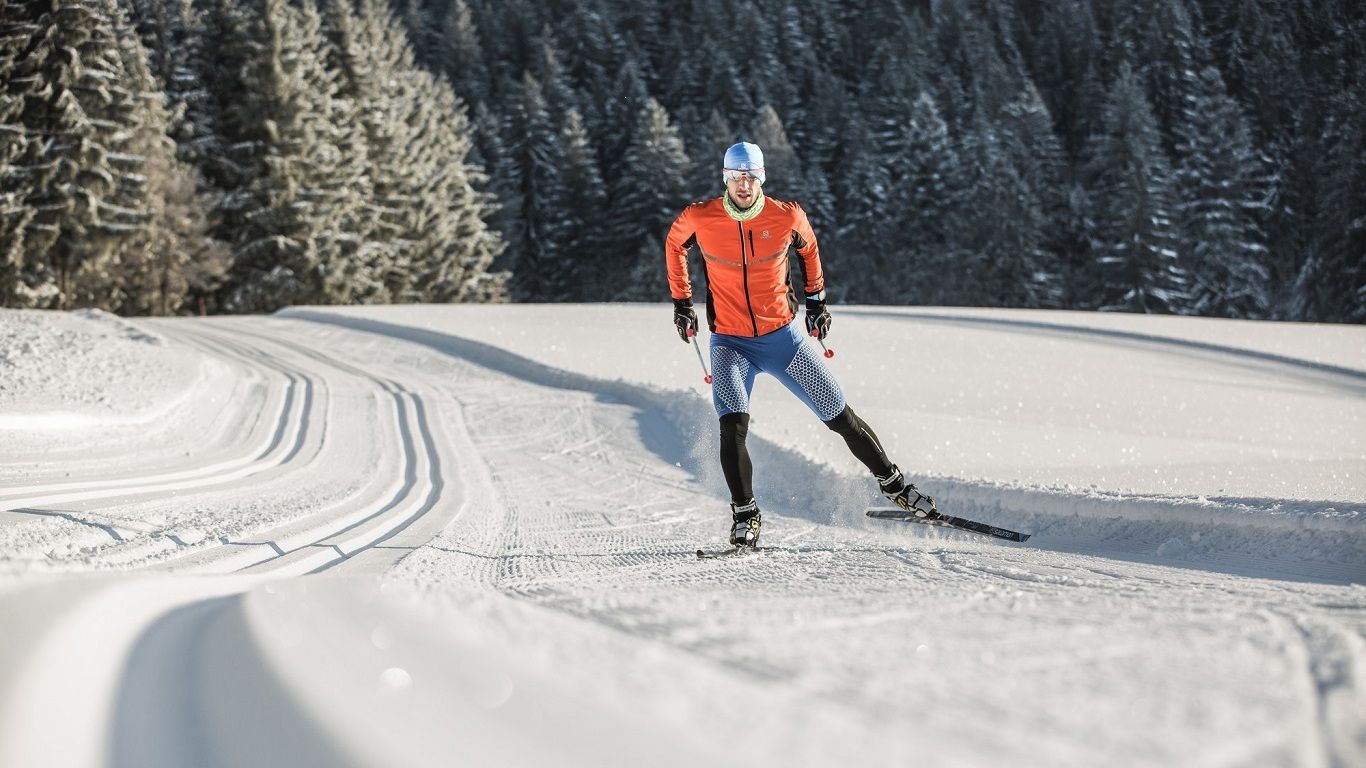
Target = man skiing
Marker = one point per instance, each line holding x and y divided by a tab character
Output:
745	239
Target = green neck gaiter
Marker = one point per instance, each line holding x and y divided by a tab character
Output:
748	213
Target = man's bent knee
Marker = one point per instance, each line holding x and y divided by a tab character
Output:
735	426
846	423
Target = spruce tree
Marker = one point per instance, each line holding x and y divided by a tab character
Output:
623	110
726	89
582	213
1135	264
424	30
81	122
707	147
1174	52
918	258
1331	286
865	239
1001	229
502	163
785	172
292	224
151	276
542	160
647	194
1222	193
1036	155
462	54
1067	53
17	149
427	239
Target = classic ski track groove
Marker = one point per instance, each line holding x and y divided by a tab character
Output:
276	448
413	492
314	541
285	433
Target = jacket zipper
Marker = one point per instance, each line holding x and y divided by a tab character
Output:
744	271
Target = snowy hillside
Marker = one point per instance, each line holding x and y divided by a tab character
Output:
501	505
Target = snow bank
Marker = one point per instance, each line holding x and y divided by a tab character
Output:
69	371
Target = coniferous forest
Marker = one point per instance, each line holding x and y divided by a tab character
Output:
1172	156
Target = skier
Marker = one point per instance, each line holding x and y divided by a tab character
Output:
744	239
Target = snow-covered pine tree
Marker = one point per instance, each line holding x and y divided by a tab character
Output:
593	49
1067	50
681	85
560	97
648	193
873	160
1173	52
1037	155
1000	230
641	27
1222	197
599	62
369	91
423	177
578	229
786	174
707	147
16	29
181	44
542	160
1135	264
1331	285
462	54
801	77
152	276
291	223
971	54
502	165
917	259
424	30
77	137
725	89
623	112
770	79
826	106
1254	47
866	239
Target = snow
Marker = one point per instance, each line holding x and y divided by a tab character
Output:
498	506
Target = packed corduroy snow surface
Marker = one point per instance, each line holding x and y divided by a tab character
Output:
466	535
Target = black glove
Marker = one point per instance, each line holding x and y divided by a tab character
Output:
817	316
684	319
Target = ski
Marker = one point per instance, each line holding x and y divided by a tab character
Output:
948	521
703	554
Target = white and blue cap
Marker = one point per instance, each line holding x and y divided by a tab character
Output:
745	157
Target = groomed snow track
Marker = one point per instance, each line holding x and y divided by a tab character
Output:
535	530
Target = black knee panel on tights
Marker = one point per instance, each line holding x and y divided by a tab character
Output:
846	423
735	426
861	441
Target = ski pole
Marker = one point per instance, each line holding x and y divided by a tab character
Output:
706	375
816	334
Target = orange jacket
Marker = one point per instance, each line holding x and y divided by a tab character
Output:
749	290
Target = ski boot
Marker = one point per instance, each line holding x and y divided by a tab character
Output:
744	530
907	496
